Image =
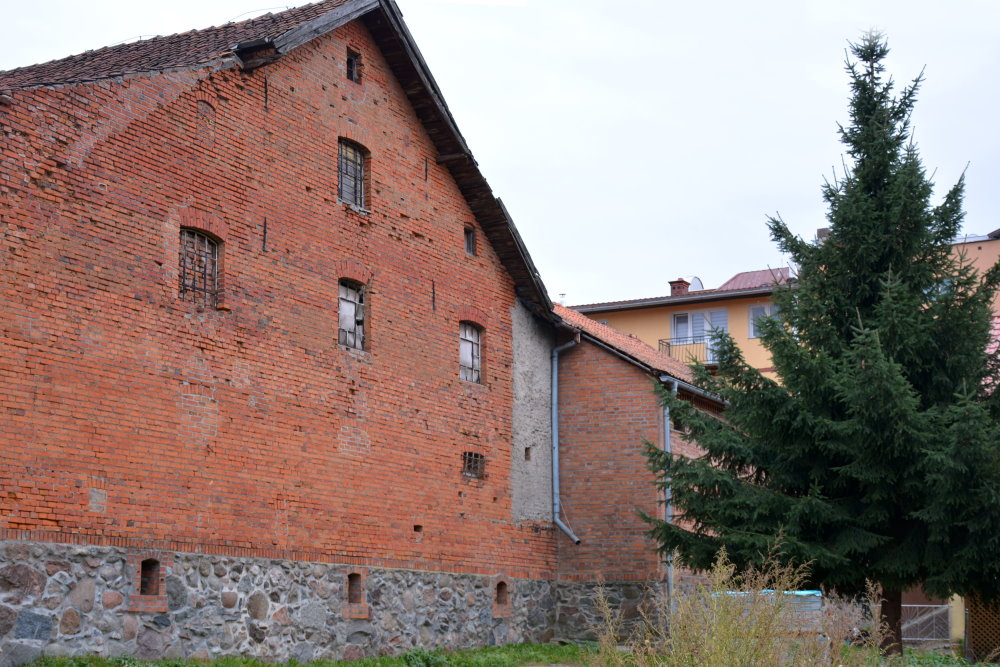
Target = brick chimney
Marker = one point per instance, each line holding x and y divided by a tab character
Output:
679	287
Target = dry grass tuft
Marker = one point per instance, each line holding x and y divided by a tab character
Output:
734	619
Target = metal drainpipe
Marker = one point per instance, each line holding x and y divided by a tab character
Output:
556	504
666	492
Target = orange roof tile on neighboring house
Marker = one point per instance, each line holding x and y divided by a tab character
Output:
760	278
159	53
626	344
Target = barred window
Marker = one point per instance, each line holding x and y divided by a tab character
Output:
199	267
352	315
351	168
469	352
473	465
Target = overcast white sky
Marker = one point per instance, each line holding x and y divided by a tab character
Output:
635	141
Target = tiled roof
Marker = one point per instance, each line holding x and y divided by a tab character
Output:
751	279
753	283
624	343
181	50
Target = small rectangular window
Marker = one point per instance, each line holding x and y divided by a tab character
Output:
351	173
473	464
469	352
354	66
470	241
351	311
757	313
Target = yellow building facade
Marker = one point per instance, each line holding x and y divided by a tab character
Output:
680	324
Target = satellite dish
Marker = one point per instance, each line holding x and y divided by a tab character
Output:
696	283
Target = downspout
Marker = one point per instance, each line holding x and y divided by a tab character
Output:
667	509
556	503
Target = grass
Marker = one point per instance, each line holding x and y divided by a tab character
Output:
514	655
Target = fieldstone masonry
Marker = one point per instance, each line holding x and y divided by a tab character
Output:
72	600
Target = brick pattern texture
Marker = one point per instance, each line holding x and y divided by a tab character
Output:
607	409
245	429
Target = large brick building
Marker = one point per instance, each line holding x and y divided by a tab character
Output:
275	373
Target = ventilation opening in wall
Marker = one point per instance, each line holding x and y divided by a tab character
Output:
354	593
502	593
149	577
473	465
417	528
527	453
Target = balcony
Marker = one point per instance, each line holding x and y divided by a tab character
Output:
690	349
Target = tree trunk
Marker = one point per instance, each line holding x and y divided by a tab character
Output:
892	621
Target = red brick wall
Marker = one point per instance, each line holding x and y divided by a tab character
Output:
130	417
607	409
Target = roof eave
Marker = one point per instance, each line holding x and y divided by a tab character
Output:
410	68
675	300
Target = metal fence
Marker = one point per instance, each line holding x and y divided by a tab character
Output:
925	623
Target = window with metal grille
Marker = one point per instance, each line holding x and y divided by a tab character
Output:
473	464
351	310
351	169
470	241
469	359
354	66
199	267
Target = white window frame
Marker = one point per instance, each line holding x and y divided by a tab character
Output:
470	361
770	310
690	337
351	315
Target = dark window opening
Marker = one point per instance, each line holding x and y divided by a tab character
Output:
470	360
502	593
354	66
527	453
351	314
470	241
354	593
473	464
351	171
199	268
149	577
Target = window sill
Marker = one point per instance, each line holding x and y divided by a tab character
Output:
354	207
147	603
365	355
356	610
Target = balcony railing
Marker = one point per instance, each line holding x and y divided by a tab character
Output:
690	349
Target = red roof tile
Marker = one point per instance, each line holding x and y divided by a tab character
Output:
624	343
185	49
751	279
761	280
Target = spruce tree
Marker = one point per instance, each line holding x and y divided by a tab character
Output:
875	454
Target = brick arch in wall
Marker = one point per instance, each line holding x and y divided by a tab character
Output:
469	313
190	217
353	270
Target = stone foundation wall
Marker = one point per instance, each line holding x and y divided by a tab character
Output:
69	600
579	615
